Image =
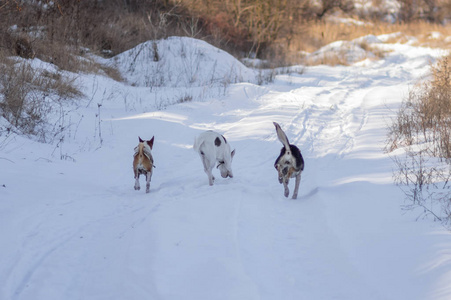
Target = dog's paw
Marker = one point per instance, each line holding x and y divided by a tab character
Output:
137	188
286	193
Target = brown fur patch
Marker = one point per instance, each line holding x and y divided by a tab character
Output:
141	162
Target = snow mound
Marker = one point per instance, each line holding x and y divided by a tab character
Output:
395	36
180	62
347	52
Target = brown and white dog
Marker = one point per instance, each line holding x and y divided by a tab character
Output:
213	147
143	162
289	164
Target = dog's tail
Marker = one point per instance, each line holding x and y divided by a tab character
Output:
196	145
282	136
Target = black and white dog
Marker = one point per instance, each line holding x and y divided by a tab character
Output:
213	147
289	164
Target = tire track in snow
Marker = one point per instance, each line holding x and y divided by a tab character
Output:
43	245
321	121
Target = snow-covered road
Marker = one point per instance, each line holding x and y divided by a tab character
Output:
78	230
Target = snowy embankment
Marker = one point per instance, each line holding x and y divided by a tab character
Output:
76	229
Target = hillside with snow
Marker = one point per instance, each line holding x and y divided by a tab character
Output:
73	227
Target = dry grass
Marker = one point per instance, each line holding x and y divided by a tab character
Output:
322	33
422	129
332	59
28	95
425	117
314	35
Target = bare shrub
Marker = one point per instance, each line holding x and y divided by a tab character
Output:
23	48
266	76
27	96
323	7
422	131
19	104
430	10
425	182
56	31
185	98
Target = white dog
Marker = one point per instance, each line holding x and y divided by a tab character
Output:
213	147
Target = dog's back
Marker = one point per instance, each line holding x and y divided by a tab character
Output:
209	143
143	159
213	148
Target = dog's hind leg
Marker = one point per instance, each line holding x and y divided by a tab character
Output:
296	186
208	168
148	178
137	187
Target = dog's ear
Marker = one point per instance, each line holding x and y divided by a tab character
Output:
140	140
150	143
282	136
232	153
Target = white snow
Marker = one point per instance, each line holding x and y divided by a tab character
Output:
180	62
75	228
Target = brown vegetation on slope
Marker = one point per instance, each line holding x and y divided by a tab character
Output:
422	130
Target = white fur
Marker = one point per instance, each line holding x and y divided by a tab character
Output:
210	154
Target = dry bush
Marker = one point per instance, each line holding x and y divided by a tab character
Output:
76	62
322	7
434	11
425	117
278	30
27	96
422	130
58	31
19	104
